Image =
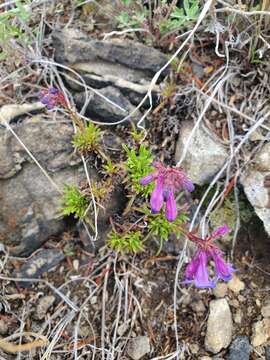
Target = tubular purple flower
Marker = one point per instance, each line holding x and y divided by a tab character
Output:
191	269
168	181
156	200
220	232
223	270
147	179
201	278
187	185
171	207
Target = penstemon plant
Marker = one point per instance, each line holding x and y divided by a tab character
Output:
142	172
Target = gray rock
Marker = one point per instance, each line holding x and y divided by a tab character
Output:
29	203
101	110
123	64
219	326
256	183
138	347
43	306
205	155
240	349
39	264
72	46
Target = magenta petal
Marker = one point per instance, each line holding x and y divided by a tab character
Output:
220	231
191	268
156	199
201	279
171	208
223	270
147	179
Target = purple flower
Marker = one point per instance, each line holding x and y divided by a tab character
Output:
171	208
220	231
223	270
156	199
52	97
168	180
196	270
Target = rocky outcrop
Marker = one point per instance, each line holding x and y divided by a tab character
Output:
29	203
205	154
122	68
256	183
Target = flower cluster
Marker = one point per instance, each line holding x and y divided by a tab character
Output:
196	271
168	180
52	97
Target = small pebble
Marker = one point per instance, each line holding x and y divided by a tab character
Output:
238	316
123	328
240	349
138	347
241	298
234	303
3	327
266	311
198	306
260	332
43	306
219	326
194	348
236	285
220	291
76	264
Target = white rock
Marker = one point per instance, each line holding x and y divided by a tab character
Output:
219	326
254	183
236	285
260	332
205	154
138	347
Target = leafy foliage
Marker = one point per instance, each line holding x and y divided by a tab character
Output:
87	139
179	16
134	21
9	30
162	228
182	16
11	27
138	166
129	242
74	202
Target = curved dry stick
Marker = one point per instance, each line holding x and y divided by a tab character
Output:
14	348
